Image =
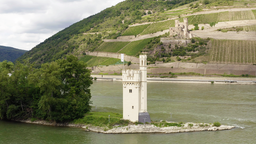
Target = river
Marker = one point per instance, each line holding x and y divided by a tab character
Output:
227	104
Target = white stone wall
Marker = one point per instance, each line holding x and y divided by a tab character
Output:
131	101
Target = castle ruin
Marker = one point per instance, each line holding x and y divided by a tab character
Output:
181	29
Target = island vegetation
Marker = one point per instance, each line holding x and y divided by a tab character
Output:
58	91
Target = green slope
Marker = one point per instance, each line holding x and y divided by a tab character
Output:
108	22
135	47
88	34
135	30
97	61
160	26
111	46
10	54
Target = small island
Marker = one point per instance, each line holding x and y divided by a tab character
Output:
112	123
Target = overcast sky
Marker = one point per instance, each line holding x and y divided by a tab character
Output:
26	23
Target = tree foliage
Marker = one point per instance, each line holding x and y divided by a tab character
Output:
58	91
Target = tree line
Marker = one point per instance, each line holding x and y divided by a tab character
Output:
58	91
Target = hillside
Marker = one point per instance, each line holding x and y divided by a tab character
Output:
133	27
108	22
10	54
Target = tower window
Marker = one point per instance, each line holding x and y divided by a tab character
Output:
132	107
130	90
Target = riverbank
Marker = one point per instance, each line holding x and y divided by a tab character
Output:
186	79
138	128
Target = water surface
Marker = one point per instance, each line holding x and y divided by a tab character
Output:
227	104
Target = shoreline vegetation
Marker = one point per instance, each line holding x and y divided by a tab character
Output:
112	123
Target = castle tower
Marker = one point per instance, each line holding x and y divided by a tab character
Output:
135	93
185	27
143	69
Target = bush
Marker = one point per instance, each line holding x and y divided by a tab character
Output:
202	28
196	27
129	63
217	124
95	78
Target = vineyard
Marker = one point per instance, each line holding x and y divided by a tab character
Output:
111	46
160	26
135	47
222	16
96	61
233	51
135	30
250	28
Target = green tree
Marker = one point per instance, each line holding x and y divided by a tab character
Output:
4	88
64	86
76	81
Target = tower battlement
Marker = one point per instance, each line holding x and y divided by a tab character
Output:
131	75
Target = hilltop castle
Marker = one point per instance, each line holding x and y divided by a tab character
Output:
135	93
181	29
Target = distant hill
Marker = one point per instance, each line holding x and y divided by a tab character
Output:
10	53
143	18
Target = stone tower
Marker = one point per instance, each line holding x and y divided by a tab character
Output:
181	29
135	93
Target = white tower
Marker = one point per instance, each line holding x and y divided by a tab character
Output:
143	69
135	93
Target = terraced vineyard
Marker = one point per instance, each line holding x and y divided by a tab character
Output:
222	16
96	61
160	26
250	28
254	12
233	51
111	46
135	30
135	47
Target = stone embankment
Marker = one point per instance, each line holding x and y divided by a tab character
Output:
140	128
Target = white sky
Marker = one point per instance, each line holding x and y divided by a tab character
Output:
26	23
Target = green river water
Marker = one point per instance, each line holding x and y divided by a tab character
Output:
227	104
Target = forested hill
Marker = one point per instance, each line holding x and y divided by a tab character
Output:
110	23
10	54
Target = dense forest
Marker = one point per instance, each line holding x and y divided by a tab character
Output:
108	22
58	91
10	54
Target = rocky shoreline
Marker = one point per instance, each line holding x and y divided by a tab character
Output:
140	128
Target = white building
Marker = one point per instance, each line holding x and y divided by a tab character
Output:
135	93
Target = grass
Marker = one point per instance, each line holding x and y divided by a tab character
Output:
203	18
166	124
217	124
254	12
249	28
111	46
135	47
222	16
160	26
233	51
135	30
102	119
95	61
